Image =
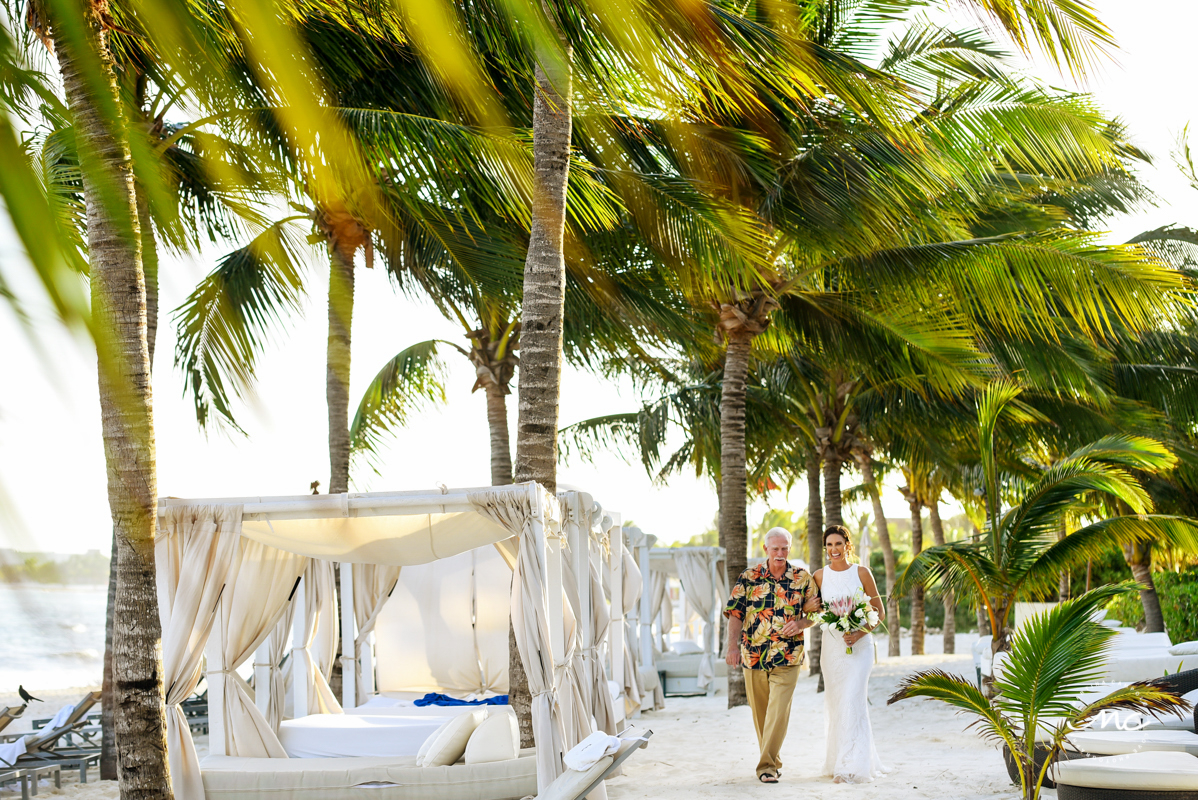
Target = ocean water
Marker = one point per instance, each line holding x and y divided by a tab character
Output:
51	637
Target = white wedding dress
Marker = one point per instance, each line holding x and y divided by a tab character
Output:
851	755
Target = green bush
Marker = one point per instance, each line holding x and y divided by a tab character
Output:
1178	593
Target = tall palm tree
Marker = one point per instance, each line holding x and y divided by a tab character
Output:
118	287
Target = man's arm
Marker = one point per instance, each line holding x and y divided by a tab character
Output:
732	659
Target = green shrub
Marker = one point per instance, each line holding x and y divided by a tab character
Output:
1178	593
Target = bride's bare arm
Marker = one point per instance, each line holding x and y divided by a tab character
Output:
871	591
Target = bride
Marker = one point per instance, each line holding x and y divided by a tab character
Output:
851	756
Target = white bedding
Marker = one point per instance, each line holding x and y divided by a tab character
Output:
351	735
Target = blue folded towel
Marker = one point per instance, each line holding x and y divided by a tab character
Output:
437	699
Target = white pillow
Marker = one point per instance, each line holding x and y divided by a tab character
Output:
686	648
1184	649
496	739
448	743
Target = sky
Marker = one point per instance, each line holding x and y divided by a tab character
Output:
53	496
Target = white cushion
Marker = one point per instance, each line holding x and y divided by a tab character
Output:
1169	772
1184	649
686	648
1115	743
1112	623
448	744
497	738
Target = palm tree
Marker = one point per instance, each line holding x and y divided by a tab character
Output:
1053	660
118	288
1018	554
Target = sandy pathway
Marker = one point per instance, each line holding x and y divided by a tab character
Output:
702	749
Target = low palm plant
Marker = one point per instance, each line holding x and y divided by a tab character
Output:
1054	658
1019	555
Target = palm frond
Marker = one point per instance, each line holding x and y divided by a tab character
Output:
413	379
226	322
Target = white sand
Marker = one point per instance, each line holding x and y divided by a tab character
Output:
700	748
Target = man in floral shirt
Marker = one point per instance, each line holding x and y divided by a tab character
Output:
766	618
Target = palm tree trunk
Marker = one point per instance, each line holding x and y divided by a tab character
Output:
501	448
917	594
541	314
832	495
734	526
950	600
1139	558
1063	588
917	612
337	364
336	387
149	258
815	551
119	314
883	530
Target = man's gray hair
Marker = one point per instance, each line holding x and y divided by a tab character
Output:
772	532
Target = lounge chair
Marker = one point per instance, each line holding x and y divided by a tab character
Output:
28	778
9	714
1136	776
43	748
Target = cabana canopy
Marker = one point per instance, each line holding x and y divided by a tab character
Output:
396	529
229	567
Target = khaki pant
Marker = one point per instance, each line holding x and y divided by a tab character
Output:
770	692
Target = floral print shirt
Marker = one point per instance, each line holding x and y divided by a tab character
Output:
763	604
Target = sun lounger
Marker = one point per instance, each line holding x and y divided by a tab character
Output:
44	740
1136	776
9	714
45	748
28	778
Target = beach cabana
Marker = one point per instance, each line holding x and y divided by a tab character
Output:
690	667
229	568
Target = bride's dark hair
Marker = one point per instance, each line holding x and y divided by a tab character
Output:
843	532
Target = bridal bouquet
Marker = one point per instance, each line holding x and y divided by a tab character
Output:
847	614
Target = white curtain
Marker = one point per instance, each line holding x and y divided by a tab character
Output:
695	574
279	638
530	618
204	538
318	650
634	684
373	584
663	609
601	702
249	613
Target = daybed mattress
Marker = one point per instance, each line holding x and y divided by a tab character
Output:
396	778
352	735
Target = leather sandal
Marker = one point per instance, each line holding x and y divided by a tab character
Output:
767	777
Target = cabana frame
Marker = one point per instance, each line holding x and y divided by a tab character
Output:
546	551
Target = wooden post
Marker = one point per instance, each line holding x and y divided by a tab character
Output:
349	671
299	664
